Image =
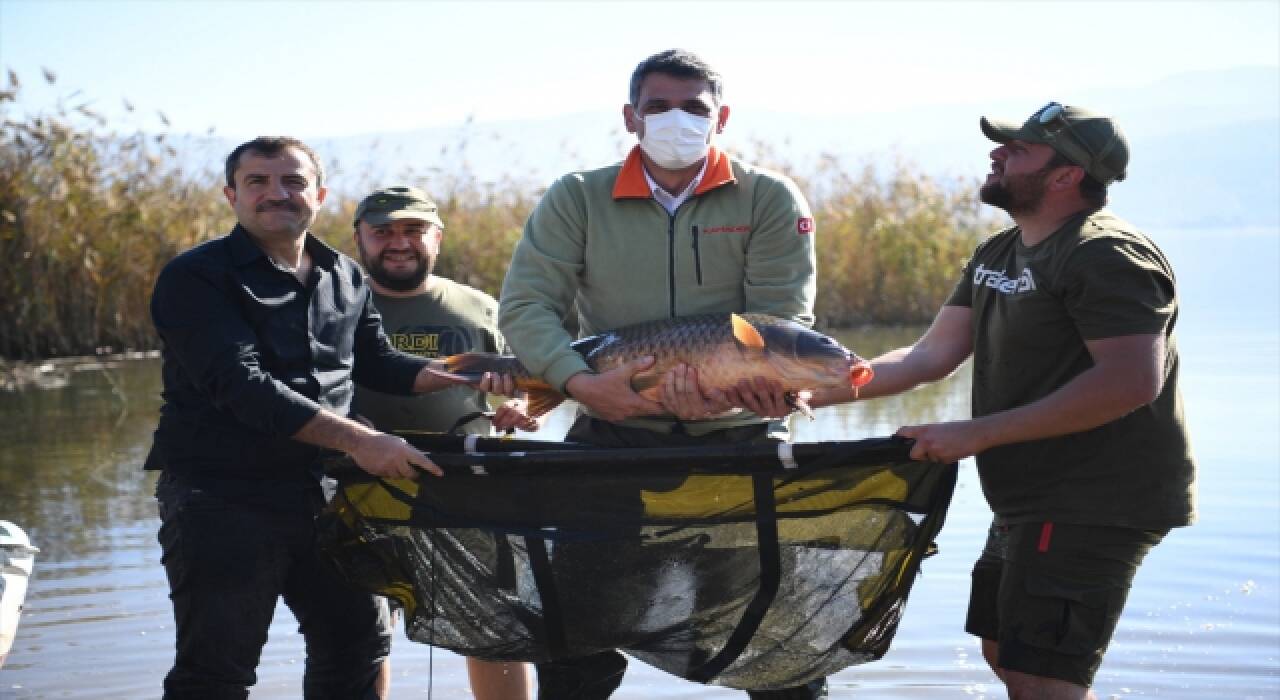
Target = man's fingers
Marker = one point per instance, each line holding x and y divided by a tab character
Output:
494	383
679	393
732	396
417	458
511	415
920	450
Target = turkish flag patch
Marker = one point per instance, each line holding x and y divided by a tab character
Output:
804	225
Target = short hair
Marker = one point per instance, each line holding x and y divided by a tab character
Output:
1092	189
271	146
676	63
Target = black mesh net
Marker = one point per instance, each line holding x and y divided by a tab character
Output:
729	565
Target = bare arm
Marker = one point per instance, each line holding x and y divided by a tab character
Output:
1128	373
942	348
378	453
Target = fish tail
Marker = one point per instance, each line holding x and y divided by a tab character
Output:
475	364
542	399
471	366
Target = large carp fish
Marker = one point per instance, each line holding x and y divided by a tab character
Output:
723	348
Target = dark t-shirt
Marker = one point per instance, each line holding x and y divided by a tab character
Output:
1033	309
448	319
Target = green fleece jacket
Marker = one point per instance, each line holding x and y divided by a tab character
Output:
599	241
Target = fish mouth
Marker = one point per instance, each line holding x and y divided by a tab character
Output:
860	373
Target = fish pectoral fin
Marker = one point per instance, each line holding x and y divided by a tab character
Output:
542	400
745	333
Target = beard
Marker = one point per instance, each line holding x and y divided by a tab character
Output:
396	281
1021	194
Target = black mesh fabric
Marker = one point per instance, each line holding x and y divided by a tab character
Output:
719	565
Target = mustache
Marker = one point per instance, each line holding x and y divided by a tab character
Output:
286	205
386	254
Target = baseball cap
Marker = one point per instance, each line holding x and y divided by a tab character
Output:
1089	140
400	202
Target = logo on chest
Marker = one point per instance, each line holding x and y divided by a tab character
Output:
741	228
432	341
999	281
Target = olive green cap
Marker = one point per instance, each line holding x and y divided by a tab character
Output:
1089	140
394	203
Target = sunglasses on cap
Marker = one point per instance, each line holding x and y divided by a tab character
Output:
1052	119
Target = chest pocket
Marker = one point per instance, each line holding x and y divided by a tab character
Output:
719	255
278	314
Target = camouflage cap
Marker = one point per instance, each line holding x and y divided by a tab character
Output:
394	203
1089	140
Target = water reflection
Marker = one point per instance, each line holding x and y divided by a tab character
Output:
71	457
1203	620
945	400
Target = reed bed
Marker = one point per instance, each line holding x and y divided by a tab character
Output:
90	213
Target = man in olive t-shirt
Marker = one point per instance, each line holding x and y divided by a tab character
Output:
447	318
398	231
1077	420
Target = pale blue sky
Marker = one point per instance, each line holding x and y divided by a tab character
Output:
325	69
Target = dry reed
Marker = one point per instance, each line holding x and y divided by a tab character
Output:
89	215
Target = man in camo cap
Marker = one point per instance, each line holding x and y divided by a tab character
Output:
1077	420
398	232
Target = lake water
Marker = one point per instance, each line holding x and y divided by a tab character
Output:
1203	620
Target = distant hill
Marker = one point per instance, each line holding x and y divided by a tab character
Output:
1206	145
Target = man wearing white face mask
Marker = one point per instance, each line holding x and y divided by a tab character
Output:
677	229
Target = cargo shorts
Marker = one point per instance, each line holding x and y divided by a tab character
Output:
1050	594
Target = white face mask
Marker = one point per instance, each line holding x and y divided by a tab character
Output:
675	139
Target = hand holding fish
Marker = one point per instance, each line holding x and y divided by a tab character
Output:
491	382
515	414
683	397
498	383
765	397
610	395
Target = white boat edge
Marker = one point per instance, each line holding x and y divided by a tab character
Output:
17	559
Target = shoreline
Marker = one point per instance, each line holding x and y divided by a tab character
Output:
55	372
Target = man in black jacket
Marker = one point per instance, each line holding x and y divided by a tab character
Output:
265	332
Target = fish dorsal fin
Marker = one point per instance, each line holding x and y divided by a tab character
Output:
745	333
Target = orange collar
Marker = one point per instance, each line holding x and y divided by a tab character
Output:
632	185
